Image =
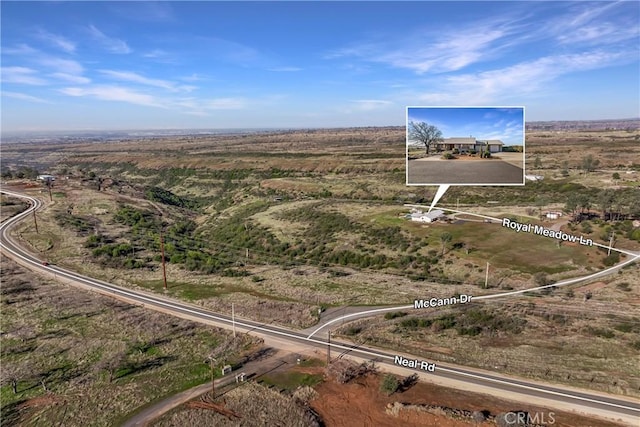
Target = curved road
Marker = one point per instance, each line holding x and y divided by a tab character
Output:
621	408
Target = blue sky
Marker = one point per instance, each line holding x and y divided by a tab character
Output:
136	65
504	123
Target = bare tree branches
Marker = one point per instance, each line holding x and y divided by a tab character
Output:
425	133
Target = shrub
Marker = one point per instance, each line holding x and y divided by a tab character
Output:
353	330
394	314
600	332
612	259
624	286
448	156
389	384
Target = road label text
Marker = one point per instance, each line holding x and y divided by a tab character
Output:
414	363
537	229
440	302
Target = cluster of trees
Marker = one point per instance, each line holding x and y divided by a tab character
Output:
157	194
614	204
318	242
471	322
21	172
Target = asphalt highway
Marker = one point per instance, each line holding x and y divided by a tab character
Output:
627	409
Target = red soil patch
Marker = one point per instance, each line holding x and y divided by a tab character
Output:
360	403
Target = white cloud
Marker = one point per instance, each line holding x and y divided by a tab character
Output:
113	45
25	97
71	78
531	77
599	33
233	52
453	51
66	66
441	50
193	78
156	53
225	103
371	104
129	76
285	69
56	40
113	93
202	107
21	49
21	75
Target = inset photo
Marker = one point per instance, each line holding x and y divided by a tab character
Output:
465	145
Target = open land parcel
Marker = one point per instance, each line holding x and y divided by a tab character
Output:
282	224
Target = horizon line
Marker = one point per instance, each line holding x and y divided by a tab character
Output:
261	128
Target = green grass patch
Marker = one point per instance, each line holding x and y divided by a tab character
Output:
292	380
312	363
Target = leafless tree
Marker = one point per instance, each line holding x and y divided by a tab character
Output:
425	133
111	363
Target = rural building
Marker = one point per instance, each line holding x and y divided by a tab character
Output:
468	144
554	215
46	178
420	216
534	177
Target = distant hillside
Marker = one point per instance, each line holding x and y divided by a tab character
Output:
592	125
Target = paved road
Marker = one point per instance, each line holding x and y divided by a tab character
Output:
583	401
484	172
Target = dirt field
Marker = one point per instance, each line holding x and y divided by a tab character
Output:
360	403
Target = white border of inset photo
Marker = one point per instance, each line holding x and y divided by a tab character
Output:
450	124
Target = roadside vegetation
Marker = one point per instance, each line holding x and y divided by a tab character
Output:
286	224
73	357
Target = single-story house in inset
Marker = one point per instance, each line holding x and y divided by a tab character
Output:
468	144
420	216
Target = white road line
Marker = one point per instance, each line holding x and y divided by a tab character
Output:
377	310
556	393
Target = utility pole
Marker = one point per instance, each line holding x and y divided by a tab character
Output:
164	269
35	221
610	244
486	277
328	348
233	319
49	186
